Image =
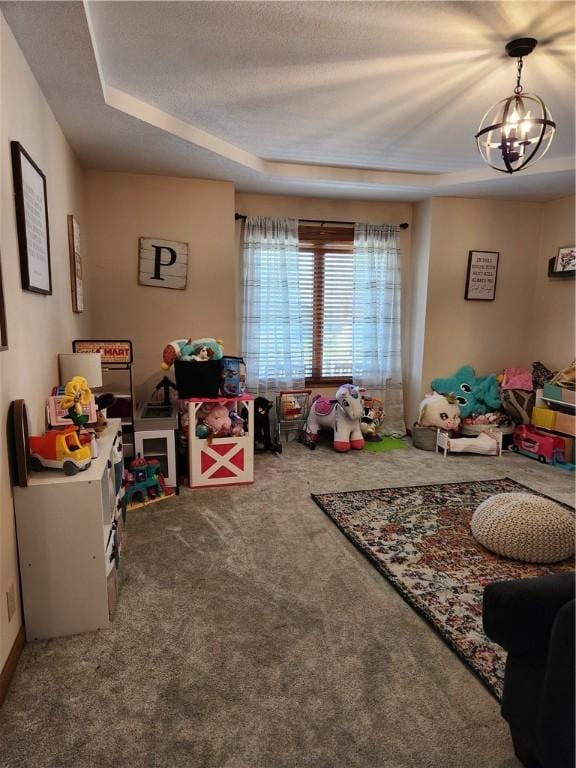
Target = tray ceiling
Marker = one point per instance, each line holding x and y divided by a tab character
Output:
365	99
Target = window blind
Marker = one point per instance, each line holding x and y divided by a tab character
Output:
326	292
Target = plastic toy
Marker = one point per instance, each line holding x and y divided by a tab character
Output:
233	376
58	415
76	395
187	350
144	483
202	431
549	449
59	449
341	415
473	394
439	411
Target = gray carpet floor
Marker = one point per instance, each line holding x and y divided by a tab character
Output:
251	634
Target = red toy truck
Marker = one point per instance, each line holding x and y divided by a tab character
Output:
549	449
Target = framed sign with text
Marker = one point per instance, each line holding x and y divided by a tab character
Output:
481	275
111	351
31	221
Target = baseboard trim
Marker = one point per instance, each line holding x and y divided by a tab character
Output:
10	666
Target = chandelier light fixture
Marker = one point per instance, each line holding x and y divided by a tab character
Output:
518	129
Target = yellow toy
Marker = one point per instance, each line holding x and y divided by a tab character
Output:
59	449
76	395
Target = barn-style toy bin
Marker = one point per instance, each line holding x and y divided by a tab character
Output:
221	460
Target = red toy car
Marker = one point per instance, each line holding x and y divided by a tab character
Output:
549	449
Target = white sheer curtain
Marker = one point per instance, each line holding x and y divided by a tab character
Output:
376	349
271	319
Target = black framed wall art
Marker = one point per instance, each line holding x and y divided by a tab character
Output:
31	221
481	275
3	330
565	260
75	264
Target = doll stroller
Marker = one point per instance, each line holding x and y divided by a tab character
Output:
291	414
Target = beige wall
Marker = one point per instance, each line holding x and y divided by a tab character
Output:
38	326
123	207
487	335
551	328
532	317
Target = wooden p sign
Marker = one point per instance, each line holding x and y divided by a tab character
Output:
163	263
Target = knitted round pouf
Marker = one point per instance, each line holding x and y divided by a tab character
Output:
524	527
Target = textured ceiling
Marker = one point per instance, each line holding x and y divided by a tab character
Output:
327	87
394	85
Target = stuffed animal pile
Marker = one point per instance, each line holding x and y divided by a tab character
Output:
474	394
218	420
371	421
199	350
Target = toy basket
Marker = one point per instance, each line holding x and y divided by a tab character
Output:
198	379
424	438
292	413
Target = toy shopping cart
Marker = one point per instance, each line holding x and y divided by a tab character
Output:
291	413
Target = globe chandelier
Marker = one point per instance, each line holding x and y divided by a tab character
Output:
518	129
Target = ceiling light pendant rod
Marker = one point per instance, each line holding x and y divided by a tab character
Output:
518	88
243	216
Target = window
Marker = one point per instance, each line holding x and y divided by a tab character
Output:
326	294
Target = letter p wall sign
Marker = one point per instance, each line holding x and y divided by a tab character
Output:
163	263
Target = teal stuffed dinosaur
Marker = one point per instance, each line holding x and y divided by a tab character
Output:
474	394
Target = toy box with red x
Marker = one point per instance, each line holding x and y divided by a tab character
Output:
221	460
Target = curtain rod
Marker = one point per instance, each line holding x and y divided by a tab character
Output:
243	216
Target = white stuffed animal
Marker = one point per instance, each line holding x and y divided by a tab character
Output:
440	411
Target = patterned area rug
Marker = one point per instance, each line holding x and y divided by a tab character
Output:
419	538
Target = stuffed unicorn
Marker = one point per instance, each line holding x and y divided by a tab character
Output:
342	415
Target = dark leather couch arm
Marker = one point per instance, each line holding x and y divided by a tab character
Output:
555	730
518	614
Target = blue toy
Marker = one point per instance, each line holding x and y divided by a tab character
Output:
475	395
233	376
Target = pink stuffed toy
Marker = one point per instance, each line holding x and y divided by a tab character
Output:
218	420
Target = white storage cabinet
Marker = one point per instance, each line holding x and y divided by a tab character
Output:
69	545
159	444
